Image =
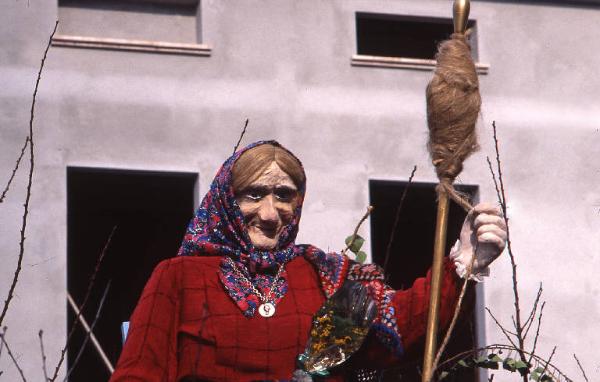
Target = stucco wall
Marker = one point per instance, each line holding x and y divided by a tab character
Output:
285	65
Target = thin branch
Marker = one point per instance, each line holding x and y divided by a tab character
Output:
388	249
365	216
3	334
83	304
457	310
537	331
548	362
14	359
89	332
581	368
512	318
502	328
44	368
530	319
95	341
14	171
241	136
13	285
501	193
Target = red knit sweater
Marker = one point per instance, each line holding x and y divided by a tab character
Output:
186	325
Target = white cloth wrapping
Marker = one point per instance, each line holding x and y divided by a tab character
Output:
462	259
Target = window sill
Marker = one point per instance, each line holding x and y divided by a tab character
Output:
131	45
404	63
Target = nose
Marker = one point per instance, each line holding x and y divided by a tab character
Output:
267	212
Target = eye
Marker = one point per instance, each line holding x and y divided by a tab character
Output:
254	193
285	194
254	196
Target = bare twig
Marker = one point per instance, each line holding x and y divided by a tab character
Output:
13	285
13	358
537	331
365	216
89	332
3	334
95	342
457	310
14	171
502	328
501	193
83	304
512	318
388	249
581	368
530	319
547	362
41	334
241	136
448	334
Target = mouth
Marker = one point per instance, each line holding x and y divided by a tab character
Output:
270	232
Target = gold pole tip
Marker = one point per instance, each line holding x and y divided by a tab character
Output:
461	10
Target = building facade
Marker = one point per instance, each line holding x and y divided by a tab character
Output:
156	93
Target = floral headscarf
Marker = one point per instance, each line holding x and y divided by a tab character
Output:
218	229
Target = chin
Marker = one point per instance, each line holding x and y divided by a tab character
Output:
264	243
264	246
261	240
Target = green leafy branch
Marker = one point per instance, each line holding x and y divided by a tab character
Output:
493	358
355	242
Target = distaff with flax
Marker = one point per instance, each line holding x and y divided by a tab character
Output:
237	304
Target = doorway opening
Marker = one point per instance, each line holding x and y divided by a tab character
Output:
149	212
411	251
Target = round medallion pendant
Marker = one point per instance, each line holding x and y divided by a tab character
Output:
266	309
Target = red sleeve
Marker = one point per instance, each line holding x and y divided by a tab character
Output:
401	322
149	353
412	305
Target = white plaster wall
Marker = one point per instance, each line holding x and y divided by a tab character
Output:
285	65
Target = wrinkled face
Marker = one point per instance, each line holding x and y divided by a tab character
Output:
268	206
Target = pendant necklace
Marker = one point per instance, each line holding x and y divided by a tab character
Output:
267	306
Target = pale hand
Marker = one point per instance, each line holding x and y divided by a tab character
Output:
483	233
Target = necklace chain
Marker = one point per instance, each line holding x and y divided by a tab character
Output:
266	298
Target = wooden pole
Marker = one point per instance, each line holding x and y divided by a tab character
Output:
436	280
461	16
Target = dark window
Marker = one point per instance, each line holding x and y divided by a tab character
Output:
150	211
402	36
176	21
412	247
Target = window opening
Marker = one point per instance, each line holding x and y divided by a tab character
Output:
150	211
411	252
404	41
163	26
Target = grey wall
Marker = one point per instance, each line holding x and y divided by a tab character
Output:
285	65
